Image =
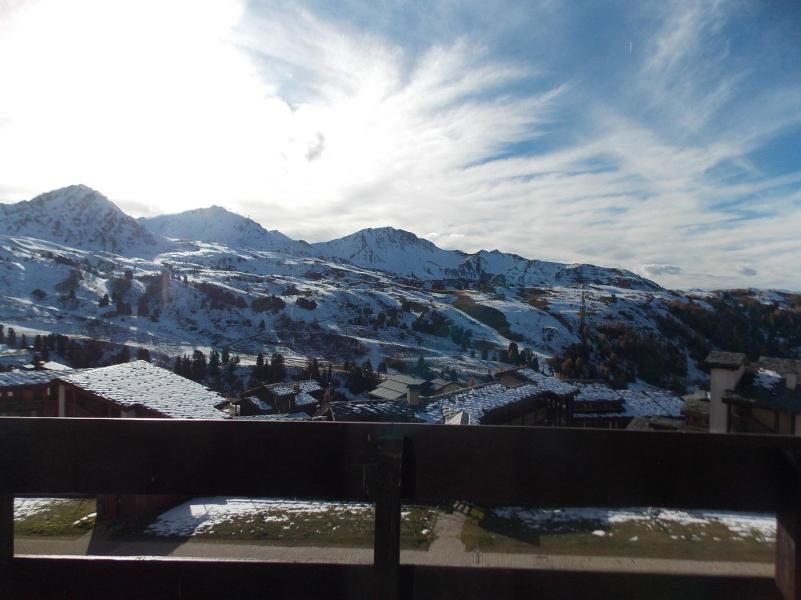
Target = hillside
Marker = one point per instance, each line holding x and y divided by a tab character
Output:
380	294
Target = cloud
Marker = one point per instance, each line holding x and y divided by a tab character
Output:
318	122
747	271
659	270
317	147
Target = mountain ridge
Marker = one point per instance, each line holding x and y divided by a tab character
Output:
96	223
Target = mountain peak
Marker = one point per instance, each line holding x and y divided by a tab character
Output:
76	216
217	224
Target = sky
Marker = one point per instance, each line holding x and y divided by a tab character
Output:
659	136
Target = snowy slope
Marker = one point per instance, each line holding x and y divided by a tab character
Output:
79	217
218	225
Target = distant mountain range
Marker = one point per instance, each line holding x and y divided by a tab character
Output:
83	218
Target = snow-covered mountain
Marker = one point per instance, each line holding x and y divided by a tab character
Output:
403	253
391	250
219	225
510	269
79	217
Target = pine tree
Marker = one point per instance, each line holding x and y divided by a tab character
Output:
199	368
2	334
315	370
513	354
214	364
37	343
104	301
124	356
277	370
226	357
178	368
23	343
186	366
258	370
143	354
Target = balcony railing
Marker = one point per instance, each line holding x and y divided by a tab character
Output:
389	464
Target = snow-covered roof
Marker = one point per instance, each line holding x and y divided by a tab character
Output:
406	380
476	401
139	383
595	392
289	389
397	411
547	383
305	399
652	403
385	393
51	365
23	377
295	416
636	403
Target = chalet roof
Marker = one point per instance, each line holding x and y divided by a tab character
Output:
51	365
652	403
459	418
547	383
294	416
595	392
393	411
725	360
384	393
477	401
405	379
288	388
21	378
766	389
395	386
641	403
784	366
140	383
305	399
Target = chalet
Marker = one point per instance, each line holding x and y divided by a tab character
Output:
598	405
281	398
396	386
760	397
542	400
26	393
696	411
135	389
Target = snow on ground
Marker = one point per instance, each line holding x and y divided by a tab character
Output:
27	507
201	515
743	525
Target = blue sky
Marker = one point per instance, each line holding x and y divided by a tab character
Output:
661	136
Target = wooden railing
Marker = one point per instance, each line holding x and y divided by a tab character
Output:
389	464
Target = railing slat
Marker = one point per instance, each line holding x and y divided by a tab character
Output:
6	530
386	550
157	578
491	465
788	532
